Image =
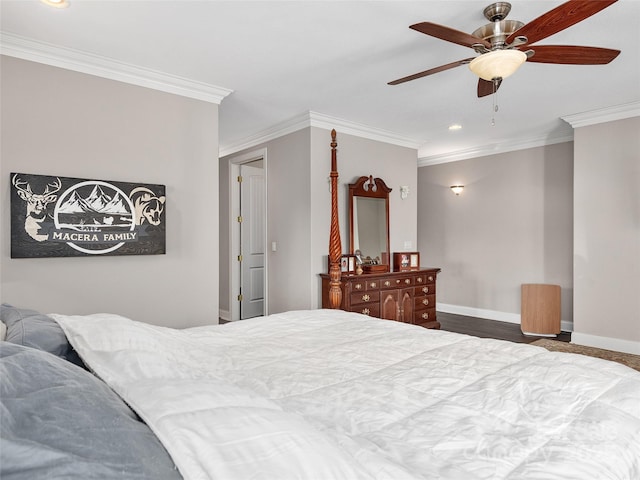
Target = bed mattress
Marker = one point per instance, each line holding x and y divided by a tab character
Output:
326	394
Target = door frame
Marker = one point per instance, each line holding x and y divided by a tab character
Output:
234	230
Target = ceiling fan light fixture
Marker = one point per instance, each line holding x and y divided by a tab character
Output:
497	64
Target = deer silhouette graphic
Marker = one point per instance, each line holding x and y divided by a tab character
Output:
36	205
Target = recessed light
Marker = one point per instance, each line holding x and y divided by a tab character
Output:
455	126
56	3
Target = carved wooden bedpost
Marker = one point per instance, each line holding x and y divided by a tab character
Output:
335	244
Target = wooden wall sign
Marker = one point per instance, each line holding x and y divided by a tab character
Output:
71	217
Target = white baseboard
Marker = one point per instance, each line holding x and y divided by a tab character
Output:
608	343
565	325
224	315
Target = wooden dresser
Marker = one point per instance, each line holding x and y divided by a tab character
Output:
402	296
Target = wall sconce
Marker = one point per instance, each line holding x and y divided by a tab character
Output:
56	3
457	189
404	192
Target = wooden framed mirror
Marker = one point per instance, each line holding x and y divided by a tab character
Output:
369	223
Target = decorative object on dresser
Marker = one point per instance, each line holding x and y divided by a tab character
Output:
406	261
408	297
348	263
369	223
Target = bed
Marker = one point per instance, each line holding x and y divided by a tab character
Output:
317	394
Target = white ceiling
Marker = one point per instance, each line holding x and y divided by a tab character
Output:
285	59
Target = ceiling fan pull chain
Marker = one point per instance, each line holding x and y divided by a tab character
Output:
495	101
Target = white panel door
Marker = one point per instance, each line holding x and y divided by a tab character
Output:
252	241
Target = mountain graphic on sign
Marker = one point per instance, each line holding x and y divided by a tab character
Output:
74	204
96	202
115	205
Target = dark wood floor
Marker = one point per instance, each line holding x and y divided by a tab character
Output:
480	327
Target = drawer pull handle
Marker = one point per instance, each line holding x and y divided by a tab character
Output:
366	297
425	289
425	316
418	279
387	283
425	301
358	286
407	281
397	282
430	278
373	285
366	311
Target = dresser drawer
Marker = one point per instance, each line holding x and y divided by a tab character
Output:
388	282
424	301
425	290
364	297
401	282
373	284
425	279
424	316
371	309
363	285
396	282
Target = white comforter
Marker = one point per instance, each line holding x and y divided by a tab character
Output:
333	395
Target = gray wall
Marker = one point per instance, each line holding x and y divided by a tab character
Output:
58	122
607	235
298	207
511	225
288	220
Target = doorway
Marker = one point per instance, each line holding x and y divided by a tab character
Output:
248	285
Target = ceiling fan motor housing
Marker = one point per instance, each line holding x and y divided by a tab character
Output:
496	33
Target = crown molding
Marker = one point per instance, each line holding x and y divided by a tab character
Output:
284	128
603	115
359	130
609	114
315	119
495	148
70	59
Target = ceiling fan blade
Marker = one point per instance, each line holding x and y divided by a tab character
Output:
570	55
449	34
559	18
431	71
486	87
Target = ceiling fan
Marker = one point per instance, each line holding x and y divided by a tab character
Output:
504	45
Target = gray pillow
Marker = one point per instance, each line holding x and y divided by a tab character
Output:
34	329
61	422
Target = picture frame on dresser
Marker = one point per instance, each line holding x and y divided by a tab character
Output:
348	263
406	261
